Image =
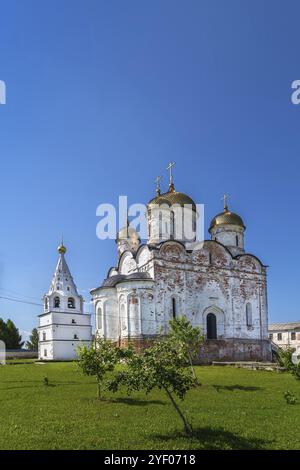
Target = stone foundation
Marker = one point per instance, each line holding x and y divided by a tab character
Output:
223	350
138	343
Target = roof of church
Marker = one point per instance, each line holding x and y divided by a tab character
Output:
62	280
117	278
127	232
284	326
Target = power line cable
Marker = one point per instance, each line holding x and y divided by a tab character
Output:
20	301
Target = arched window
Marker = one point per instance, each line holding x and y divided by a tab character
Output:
160	224
46	303
249	314
237	240
71	302
194	224
172	224
173	307
99	318
44	336
210	258
56	302
211	326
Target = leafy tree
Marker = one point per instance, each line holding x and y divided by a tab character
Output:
284	358
97	360
3	331
9	333
158	366
33	343
296	371
187	338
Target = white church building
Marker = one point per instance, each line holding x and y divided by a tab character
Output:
63	325
219	286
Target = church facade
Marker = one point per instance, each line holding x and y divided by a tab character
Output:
63	325
217	285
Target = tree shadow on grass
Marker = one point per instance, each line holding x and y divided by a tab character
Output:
136	402
40	382
242	388
217	439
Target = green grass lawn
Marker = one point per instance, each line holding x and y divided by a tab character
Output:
233	409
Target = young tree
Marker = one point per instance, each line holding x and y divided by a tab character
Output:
33	343
97	360
187	338
158	366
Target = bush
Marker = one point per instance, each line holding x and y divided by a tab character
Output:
284	358
290	398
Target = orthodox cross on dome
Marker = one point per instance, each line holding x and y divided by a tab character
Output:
157	181
225	202
171	180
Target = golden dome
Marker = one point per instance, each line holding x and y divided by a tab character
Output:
172	197
62	249
127	232
226	218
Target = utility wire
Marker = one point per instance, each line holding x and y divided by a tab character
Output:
20	301
18	294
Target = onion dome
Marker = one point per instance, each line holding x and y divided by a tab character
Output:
226	218
172	197
127	232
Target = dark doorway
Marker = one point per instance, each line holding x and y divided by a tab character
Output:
211	326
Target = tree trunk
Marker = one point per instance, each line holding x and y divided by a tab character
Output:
192	366
187	427
99	389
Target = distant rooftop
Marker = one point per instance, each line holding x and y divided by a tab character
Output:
284	326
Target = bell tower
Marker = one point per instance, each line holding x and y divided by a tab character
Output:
63	325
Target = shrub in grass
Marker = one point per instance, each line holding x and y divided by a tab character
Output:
46	381
290	398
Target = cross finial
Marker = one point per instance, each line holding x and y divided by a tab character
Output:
171	181
157	181
225	201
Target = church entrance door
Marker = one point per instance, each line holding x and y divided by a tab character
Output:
211	326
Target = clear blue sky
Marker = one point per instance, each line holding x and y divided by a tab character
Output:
102	94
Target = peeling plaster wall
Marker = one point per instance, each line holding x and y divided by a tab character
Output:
223	287
197	283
